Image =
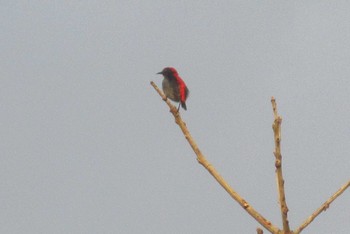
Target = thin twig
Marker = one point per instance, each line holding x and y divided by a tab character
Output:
324	207
276	126
203	161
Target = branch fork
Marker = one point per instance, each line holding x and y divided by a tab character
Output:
276	126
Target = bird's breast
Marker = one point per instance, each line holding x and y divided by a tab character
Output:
171	89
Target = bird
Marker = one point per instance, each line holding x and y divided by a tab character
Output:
174	87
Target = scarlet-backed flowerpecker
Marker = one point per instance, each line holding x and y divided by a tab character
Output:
174	87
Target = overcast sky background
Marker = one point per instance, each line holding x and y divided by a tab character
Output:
87	145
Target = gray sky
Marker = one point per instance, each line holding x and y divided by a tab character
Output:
89	147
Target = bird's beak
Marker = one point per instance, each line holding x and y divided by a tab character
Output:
159	73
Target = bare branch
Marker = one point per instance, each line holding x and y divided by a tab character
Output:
276	126
324	207
203	161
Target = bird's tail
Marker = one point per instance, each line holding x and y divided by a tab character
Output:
183	105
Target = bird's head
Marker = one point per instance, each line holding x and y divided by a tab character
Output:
168	72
